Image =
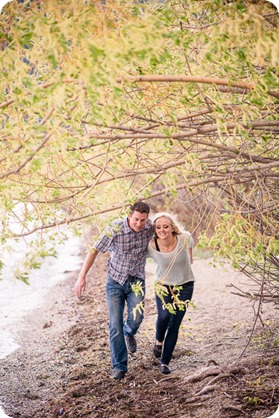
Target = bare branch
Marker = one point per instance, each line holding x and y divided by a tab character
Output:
191	79
185	79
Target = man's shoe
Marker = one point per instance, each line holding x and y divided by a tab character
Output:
157	350
131	343
165	369
117	374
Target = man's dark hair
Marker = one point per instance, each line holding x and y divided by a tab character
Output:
140	207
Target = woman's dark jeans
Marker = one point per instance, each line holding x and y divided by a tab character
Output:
168	324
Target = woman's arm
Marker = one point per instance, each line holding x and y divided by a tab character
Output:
190	253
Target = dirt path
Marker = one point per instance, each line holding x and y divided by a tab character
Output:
62	368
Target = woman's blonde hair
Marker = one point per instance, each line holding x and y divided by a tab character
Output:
177	228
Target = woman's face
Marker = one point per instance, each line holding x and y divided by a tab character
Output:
163	228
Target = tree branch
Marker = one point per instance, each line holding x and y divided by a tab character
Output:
185	79
191	79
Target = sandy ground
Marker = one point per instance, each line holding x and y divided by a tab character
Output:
62	367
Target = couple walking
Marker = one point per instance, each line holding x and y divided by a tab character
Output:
130	241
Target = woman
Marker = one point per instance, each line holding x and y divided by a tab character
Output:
171	249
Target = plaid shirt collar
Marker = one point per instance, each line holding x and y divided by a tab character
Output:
126	227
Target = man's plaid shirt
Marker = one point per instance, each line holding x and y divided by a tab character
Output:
128	249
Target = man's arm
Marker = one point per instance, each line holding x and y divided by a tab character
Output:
87	264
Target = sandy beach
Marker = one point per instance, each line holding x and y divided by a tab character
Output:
62	364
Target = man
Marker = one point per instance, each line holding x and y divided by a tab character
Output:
127	240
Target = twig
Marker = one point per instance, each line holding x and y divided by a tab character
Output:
233	408
257	316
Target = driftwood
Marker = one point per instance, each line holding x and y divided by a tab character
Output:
211	370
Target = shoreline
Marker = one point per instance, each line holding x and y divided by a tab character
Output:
40	335
18	299
64	360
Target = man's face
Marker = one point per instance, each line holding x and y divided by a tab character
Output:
137	221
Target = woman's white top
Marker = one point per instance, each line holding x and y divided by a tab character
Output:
174	268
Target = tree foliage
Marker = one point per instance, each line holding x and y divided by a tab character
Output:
103	103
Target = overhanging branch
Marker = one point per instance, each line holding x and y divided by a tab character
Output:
191	79
185	79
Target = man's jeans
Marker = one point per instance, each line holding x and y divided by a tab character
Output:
168	324
116	297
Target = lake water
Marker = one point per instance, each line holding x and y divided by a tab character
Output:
17	299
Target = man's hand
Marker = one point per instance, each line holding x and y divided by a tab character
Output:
80	286
89	260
